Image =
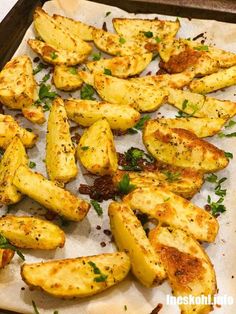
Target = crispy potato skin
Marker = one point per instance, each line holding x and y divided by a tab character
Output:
188	268
65	79
131	238
31	232
13	157
182	148
50	195
71	278
96	149
5	257
175	211
86	112
60	151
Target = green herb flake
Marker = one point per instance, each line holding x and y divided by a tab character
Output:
157	39
39	68
32	164
97	207
221	134
97	271
184	104
73	70
122	40
212	178
148	34
107	72
133	156
230	124
107	14
124	186
84	148
46	107
202	48
29	129
44	92
140	124
97	56
5	244
229	155
46	78
101	278
125	307
216	207
1	151
35	308
171	176
166	199
53	55
87	92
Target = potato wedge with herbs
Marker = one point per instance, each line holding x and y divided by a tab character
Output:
143	97
175	211
13	157
66	78
189	269
31	233
86	112
130	237
223	78
182	148
50	195
18	88
60	151
96	149
87	77
74	27
10	128
5	257
77	277
202	127
200	106
122	67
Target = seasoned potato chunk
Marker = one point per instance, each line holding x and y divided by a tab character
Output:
182	148
188	268
60	151
130	236
77	277
66	78
31	233
50	195
5	257
175	211
13	157
122	66
96	149
86	112
87	77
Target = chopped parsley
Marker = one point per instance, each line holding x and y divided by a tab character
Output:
45	78
187	104
216	207
139	125
97	207
29	129
97	271
122	40
202	48
87	92
184	104
107	13
212	178
221	134
107	72
124	186
125	307
229	155
230	124
32	164
35	308
148	34
5	244
44	92
84	147
39	68
171	176
73	70
1	151
53	55
157	39
132	158
96	56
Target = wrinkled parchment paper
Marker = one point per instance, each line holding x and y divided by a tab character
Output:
83	238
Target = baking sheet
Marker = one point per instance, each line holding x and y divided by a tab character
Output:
83	238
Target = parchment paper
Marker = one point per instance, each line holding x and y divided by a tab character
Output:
83	238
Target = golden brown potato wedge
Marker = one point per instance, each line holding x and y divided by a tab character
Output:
175	211
86	112
5	257
182	148
200	106
60	151
87	77
78	277
18	88
76	28
223	78
49	194
143	97
188	267
96	149
122	67
130	237
10	128
13	157
31	232
202	127
66	78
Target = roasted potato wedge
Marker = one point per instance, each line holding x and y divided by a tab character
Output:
78	277
10	128
200	106
86	112
182	148
13	157
96	149
66	78
202	127
76	28
49	194
122	67
5	257
130	237
188	267
87	77
138	27
223	78
18	89
60	151
31	233
175	211
143	97
59	37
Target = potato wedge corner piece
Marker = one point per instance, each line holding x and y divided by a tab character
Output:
66	78
188	268
86	112
5	257
50	195
78	277
130	237
173	210
13	157
96	149
31	232
60	151
182	148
